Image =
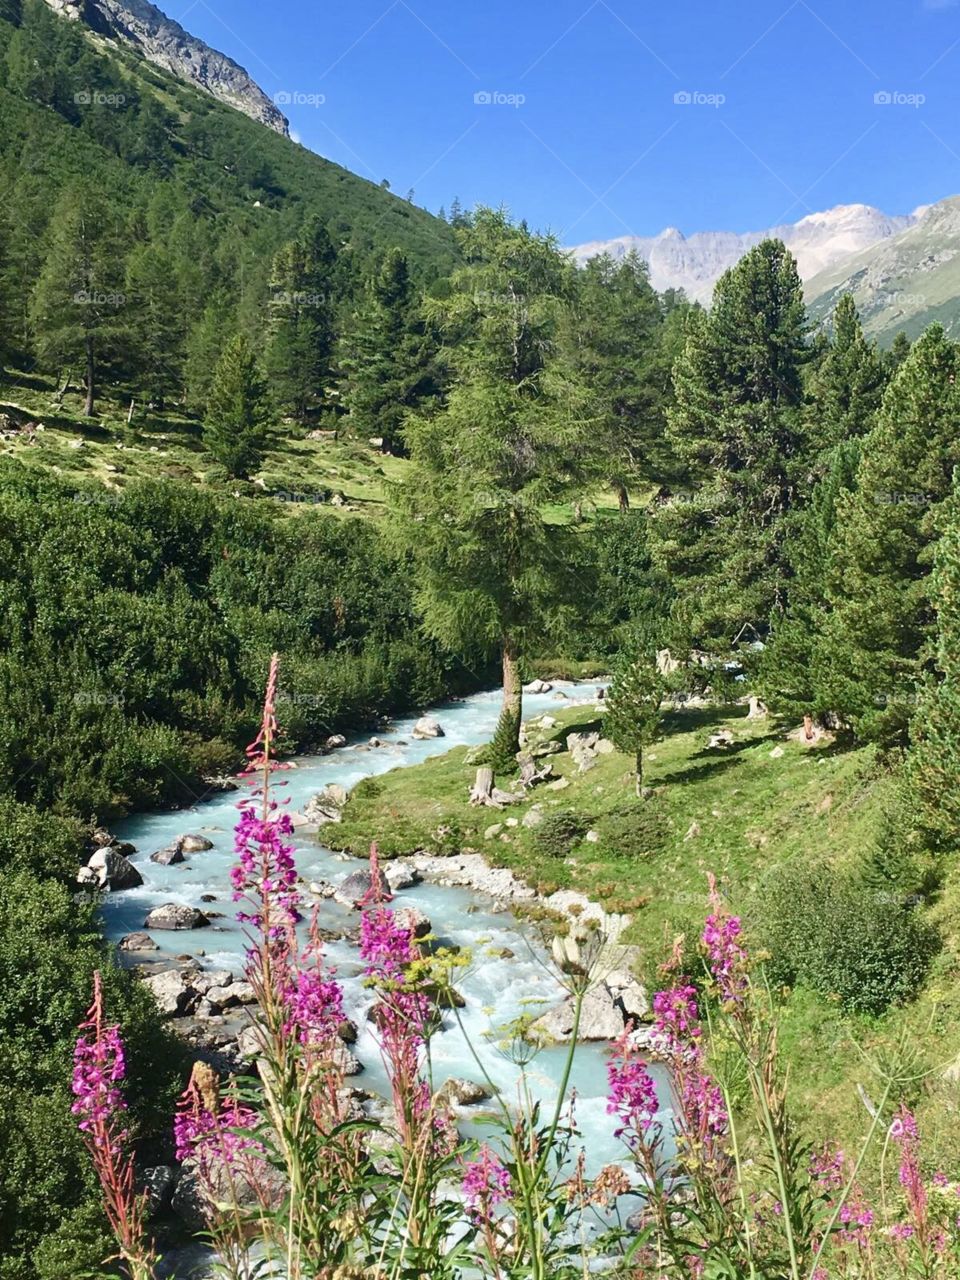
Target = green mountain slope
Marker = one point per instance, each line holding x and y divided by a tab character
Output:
902	284
212	192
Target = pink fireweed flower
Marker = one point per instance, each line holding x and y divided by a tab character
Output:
903	1131
265	875
260	752
677	1029
315	1009
216	1134
727	958
486	1184
631	1095
99	1067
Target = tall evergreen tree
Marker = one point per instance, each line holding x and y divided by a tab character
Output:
156	321
513	437
301	321
237	414
79	305
738	429
933	766
879	590
204	345
387	356
616	333
847	384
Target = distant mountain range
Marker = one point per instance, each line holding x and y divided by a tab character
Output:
695	263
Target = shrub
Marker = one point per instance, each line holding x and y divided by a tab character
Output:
844	939
559	832
635	831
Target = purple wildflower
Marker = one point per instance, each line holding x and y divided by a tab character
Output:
632	1094
486	1184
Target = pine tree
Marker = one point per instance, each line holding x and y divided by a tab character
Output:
616	333
513	437
387	356
79	306
879	590
156	321
899	350
301	321
237	414
204	345
737	428
933	765
633	713
847	384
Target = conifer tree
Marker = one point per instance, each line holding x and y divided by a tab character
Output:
204	345
514	436
156	321
301	321
387	356
616	333
79	305
237	414
633	713
933	766
847	384
879	590
737	428
899	350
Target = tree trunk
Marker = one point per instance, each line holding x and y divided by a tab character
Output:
639	770
91	371
623	498
506	740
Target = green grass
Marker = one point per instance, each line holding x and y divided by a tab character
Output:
737	813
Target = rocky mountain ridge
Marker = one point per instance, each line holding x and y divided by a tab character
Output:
160	40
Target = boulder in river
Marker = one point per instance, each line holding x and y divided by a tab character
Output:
414	919
138	941
461	1093
168	856
174	915
400	875
427	727
334	742
600	1019
113	870
193	844
358	885
538	686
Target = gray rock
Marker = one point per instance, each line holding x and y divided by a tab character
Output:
427	727
462	1093
194	844
358	885
138	942
335	741
171	991
414	919
174	915
550	748
114	871
158	1186
88	877
346	1062
583	749
347	1031
533	817
208	978
326	805
538	686
720	741
600	1019
400	875
168	856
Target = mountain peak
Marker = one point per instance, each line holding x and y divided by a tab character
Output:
163	42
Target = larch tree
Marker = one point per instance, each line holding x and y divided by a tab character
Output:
237	414
79	305
847	385
514	438
737	428
387	356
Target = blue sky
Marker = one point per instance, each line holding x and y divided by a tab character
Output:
584	135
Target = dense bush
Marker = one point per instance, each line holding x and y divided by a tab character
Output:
135	635
49	947
635	831
559	832
843	938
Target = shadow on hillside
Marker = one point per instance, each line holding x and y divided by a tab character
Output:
719	763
